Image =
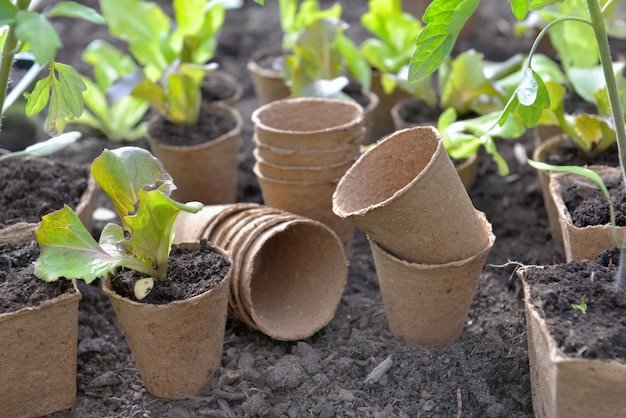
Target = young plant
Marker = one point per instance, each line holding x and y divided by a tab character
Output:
44	148
119	119
24	29
582	306
139	188
174	60
445	19
390	49
318	53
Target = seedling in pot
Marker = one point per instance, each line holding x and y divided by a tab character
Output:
61	90
445	19
323	56
582	306
117	118
139	188
173	60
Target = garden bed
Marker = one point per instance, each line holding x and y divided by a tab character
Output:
333	373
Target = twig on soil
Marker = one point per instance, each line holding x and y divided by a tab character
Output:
226	408
459	403
379	371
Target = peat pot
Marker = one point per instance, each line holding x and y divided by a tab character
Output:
289	272
584	243
569	385
177	346
38	349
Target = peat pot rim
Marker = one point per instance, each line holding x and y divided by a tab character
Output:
291	182
353	118
376	159
222	108
441	266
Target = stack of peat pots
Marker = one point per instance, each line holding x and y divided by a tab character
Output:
288	271
303	147
429	242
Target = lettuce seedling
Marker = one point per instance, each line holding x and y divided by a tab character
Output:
119	119
321	55
173	60
140	189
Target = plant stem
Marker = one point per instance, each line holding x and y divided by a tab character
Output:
9	48
616	109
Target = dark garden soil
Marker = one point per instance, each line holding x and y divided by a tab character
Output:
555	291
31	188
211	125
588	206
183	278
334	372
19	286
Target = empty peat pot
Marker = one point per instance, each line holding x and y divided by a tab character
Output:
289	272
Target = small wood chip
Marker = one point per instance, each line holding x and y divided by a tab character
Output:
379	371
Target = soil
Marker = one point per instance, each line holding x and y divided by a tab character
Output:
556	289
588	206
183	279
19	286
353	367
31	188
417	112
211	125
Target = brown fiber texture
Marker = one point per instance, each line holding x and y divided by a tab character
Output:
566	387
308	123
269	85
288	273
583	243
303	158
177	346
427	304
38	358
406	196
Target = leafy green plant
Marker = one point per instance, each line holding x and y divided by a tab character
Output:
390	49
24	29
445	19
119	119
319	55
582	306
139	188
173	59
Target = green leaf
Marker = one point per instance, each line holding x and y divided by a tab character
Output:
356	63
34	29
151	232
39	97
444	20
183	94
591	175
123	172
588	81
7	12
533	98
109	63
68	249
75	10
153	93
520	8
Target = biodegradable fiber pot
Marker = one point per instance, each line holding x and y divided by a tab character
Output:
587	242
406	196
38	358
206	172
541	153
269	84
289	272
177	346
308	123
564	386
427	304
467	169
